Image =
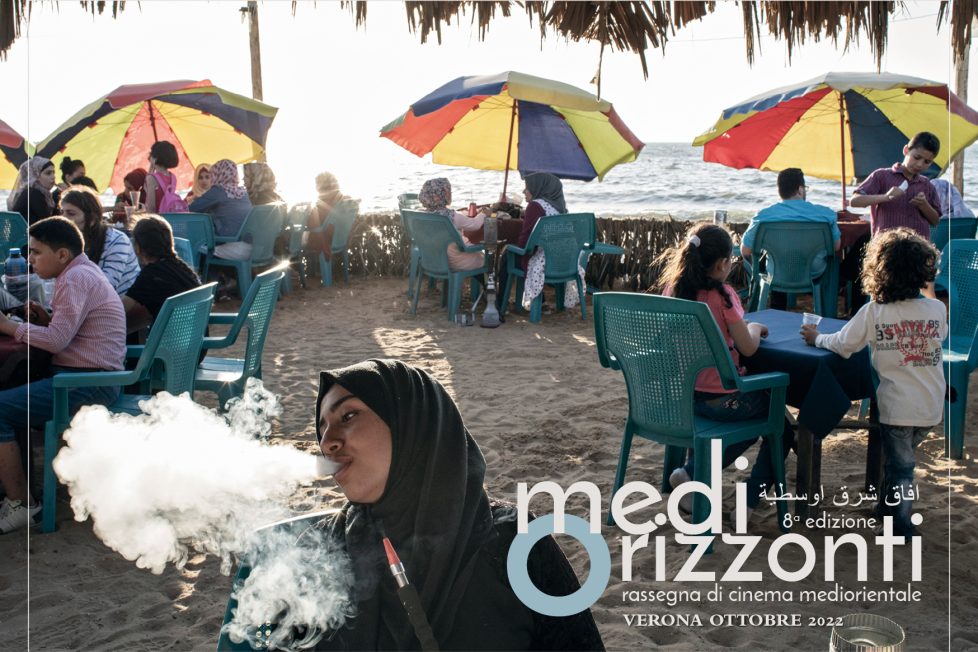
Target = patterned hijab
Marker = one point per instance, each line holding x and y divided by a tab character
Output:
260	182
435	195
545	186
27	177
224	174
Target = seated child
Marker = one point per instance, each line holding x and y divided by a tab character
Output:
904	331
697	271
86	331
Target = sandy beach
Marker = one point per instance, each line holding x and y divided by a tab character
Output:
542	408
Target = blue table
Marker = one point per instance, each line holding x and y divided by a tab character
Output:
822	386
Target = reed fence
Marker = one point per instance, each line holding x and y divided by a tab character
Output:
378	247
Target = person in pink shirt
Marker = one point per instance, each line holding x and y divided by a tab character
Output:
697	270
86	331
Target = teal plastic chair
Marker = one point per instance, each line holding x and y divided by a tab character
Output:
185	252
433	234
342	217
594	247
660	344
792	248
198	228
287	529
409	201
227	376
958	228
295	223
263	225
13	233
960	350
173	345
563	239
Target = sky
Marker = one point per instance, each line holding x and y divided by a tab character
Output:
336	85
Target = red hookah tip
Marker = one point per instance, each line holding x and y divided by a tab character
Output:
392	557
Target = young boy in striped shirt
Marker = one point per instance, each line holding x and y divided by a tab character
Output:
86	331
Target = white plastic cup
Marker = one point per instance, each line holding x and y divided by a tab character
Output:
810	319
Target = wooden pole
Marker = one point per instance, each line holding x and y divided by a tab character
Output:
961	90
255	44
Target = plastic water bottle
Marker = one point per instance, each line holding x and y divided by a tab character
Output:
15	275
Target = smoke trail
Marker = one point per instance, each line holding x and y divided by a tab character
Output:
181	478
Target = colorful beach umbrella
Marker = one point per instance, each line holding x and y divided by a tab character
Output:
513	121
113	134
14	152
840	126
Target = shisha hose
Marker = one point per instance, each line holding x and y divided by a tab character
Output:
410	600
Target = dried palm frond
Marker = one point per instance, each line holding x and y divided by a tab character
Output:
794	22
429	16
963	15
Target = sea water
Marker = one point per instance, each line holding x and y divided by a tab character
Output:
667	179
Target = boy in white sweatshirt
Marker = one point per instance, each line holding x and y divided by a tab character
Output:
904	331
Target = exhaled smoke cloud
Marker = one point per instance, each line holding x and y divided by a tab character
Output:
181	479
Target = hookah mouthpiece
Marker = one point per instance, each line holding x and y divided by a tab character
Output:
410	600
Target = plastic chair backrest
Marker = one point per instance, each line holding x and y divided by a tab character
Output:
562	237
961	258
185	251
660	344
264	224
433	233
295	221
256	311
13	233
793	247
342	216
958	228
408	200
198	228
176	338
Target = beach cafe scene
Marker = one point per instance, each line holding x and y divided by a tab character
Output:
488	326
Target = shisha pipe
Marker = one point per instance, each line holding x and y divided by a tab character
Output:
410	600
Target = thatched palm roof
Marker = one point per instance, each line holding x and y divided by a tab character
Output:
630	26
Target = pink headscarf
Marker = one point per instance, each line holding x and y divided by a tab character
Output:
224	174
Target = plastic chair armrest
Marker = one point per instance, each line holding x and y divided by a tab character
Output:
516	251
221	239
222	318
134	350
473	248
95	379
216	343
763	381
606	248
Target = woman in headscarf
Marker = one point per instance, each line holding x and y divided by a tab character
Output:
544	194
31	196
228	205
435	196
259	180
134	181
411	471
329	195
202	182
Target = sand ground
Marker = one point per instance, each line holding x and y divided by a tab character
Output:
541	408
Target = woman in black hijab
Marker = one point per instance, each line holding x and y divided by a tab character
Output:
411	471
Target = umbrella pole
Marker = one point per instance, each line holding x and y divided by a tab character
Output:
509	150
842	148
152	120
